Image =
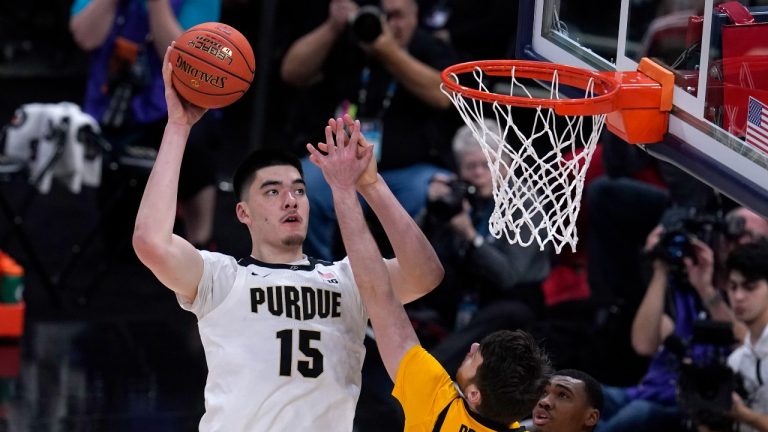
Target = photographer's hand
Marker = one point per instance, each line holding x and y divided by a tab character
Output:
651	242
651	325
303	62
340	12
421	79
701	270
741	412
439	186
462	224
653	239
384	44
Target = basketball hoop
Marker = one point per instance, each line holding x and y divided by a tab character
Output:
537	188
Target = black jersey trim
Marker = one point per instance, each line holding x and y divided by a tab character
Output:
313	262
441	417
490	424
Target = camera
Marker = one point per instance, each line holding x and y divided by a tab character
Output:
449	205
675	243
366	25
706	382
673	247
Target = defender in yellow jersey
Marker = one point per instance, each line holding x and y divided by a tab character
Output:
501	378
491	392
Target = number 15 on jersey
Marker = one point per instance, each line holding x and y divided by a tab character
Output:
312	367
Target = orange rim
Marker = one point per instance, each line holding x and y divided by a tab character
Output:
605	88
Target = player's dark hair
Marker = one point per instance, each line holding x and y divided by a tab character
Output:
591	387
261	159
751	260
512	376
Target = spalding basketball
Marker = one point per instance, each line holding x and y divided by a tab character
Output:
213	65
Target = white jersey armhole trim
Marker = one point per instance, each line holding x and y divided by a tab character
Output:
239	276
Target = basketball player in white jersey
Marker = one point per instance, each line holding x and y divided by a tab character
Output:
282	332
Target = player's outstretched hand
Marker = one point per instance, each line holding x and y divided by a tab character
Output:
345	161
179	110
370	175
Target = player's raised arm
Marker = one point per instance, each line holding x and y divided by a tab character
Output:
342	167
416	269
175	262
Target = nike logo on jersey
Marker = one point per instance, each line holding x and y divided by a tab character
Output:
299	303
256	274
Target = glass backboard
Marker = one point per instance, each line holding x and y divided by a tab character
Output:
718	128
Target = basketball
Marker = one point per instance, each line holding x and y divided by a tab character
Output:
213	65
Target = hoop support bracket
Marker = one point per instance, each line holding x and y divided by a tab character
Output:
641	114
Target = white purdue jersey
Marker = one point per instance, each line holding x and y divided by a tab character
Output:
284	346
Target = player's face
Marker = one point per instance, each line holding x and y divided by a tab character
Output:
749	300
402	18
473	168
468	369
563	407
276	208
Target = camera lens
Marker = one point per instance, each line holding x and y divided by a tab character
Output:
366	26
673	247
452	203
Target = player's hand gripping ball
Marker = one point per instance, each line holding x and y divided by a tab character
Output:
213	65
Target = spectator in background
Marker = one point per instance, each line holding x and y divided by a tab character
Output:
680	292
623	207
571	403
500	279
747	289
390	81
127	40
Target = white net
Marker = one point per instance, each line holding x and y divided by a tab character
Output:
538	167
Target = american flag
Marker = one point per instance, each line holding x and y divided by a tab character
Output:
328	275
757	125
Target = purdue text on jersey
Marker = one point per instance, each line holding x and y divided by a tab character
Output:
300	303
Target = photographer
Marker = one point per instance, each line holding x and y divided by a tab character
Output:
680	293
376	65
500	281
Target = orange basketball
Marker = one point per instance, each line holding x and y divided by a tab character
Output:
213	65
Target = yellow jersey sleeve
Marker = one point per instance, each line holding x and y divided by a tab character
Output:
423	388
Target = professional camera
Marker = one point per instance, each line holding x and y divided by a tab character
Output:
366	25
449	205
673	247
675	243
706	382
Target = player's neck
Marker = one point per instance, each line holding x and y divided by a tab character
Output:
277	255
